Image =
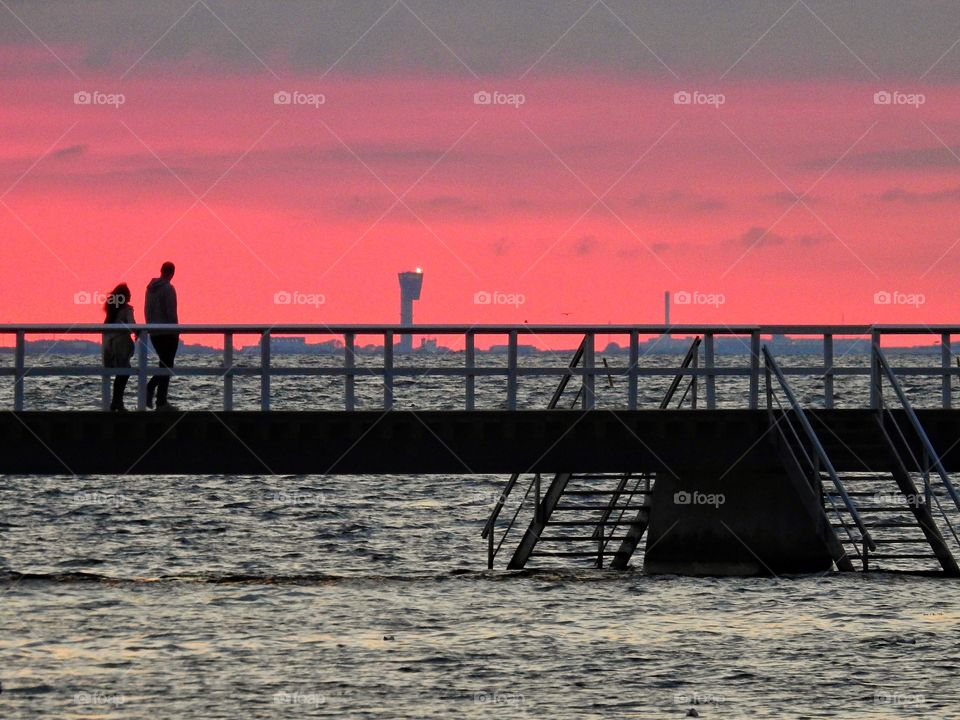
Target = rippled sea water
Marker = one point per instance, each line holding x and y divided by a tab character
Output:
346	596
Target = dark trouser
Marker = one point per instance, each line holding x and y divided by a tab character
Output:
166	347
119	386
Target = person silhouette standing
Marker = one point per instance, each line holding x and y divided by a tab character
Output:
160	308
118	345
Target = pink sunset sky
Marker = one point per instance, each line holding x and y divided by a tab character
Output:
796	200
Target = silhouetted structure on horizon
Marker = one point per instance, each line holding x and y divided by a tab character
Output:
410	286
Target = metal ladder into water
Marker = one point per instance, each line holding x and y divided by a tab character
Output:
601	517
880	520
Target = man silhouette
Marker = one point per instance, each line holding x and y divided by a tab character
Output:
160	308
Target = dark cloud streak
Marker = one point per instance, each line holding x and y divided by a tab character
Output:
696	38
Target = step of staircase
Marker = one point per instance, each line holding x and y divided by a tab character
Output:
581	538
615	508
604	492
572	553
900	541
591	523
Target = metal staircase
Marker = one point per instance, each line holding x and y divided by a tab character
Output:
904	534
588	516
915	527
600	517
877	520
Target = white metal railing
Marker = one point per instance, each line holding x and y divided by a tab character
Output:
707	371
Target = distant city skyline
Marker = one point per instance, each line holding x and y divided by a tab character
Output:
425	344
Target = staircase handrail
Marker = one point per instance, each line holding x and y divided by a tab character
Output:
818	449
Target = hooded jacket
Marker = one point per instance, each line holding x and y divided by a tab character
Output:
160	306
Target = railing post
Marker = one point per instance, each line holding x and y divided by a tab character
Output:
470	361
695	364
828	371
265	371
19	377
769	380
589	378
142	358
945	357
632	371
349	362
754	369
228	372
512	371
104	390
388	370
874	371
711	378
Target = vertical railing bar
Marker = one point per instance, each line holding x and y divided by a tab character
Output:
708	357
388	370
874	371
265	371
142	358
512	371
754	369
632	372
105	390
589	377
470	361
228	372
695	364
828	371
769	393
349	362
20	374
945	366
